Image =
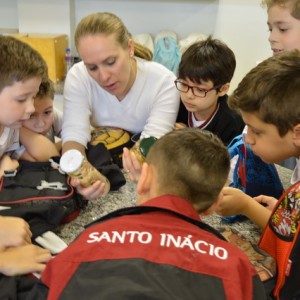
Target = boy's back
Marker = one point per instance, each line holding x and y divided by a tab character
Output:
157	250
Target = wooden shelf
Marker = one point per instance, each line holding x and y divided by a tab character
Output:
52	48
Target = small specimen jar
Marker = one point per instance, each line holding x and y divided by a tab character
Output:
142	147
76	165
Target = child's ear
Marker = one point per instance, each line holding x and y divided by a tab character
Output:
224	89
296	135
144	181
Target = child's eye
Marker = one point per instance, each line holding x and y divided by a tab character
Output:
283	29
197	90
255	132
47	113
182	84
21	100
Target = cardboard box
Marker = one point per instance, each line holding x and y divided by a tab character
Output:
52	48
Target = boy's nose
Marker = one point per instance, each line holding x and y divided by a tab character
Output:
248	139
39	122
30	108
272	37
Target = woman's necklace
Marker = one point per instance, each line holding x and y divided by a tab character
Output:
132	76
133	71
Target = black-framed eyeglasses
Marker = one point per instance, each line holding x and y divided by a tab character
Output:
184	88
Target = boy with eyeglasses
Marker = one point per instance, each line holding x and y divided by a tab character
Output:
204	76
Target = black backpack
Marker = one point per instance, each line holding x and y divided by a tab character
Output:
39	183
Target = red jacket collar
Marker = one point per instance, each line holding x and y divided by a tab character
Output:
174	203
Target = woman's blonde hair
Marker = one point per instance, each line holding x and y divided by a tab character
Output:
108	23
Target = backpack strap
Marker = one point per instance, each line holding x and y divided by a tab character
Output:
242	167
233	146
237	146
281	235
251	174
136	210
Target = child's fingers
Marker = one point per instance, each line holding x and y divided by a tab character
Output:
259	198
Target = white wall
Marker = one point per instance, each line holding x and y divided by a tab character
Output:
239	23
44	16
154	16
243	26
8	14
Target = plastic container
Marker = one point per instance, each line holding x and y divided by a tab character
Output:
76	165
69	60
142	147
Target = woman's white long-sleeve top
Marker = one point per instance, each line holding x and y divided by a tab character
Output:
150	107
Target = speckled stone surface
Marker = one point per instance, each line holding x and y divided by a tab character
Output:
126	196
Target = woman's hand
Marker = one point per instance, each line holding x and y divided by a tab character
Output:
96	190
131	165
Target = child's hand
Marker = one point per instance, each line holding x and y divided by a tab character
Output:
14	232
96	190
179	126
7	163
131	165
267	200
23	260
233	202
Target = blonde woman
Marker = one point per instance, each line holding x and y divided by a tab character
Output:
116	84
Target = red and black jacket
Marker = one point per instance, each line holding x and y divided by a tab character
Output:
160	250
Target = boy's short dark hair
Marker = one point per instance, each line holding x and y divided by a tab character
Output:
271	90
19	62
294	5
192	164
206	60
46	89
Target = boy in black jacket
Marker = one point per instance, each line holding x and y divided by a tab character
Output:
204	76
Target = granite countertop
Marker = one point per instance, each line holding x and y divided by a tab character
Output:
126	196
